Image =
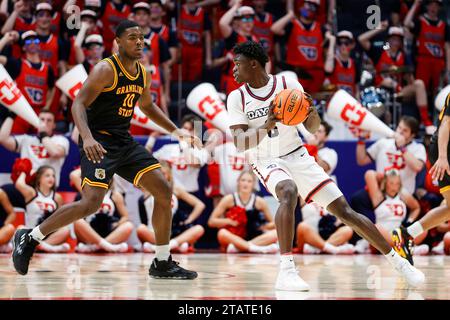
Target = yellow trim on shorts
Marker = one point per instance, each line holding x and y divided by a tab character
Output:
444	189
138	176
113	86
94	184
129	76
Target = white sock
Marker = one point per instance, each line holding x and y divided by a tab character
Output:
51	248
329	248
287	261
254	248
394	258
415	229
36	234
106	245
162	252
173	244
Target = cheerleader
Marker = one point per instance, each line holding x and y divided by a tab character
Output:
108	229
391	204
41	201
244	221
184	232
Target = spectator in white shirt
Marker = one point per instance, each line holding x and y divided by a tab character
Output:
43	149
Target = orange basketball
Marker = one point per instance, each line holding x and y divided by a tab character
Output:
292	106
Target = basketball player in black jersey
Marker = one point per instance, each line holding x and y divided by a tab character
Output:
102	112
438	154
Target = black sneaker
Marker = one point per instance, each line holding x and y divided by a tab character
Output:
24	247
403	243
169	270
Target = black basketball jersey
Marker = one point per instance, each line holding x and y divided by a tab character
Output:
444	112
111	112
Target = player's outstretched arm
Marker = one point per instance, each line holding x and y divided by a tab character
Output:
99	79
152	111
441	166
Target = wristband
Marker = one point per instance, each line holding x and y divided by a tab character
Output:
361	142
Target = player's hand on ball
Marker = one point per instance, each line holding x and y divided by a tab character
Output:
272	117
94	150
439	169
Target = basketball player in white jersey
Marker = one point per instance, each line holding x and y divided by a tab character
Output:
41	201
391	202
285	167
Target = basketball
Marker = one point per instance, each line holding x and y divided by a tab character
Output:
292	106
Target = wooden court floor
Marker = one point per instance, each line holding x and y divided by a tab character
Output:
221	276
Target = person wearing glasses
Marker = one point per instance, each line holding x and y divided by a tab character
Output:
33	77
304	37
89	51
393	206
242	17
339	66
392	57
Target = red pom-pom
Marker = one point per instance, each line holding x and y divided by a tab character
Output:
240	215
21	165
312	150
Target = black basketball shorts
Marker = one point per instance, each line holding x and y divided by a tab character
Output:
129	160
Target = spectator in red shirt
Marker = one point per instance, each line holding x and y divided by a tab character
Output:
89	51
194	32
34	77
433	44
339	65
304	36
391	59
236	26
115	11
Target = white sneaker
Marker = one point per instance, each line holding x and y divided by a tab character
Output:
439	249
421	250
271	248
65	247
84	248
289	280
122	247
362	246
346	249
148	247
183	248
413	276
308	249
232	249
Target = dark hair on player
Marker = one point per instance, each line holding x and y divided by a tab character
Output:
327	127
252	50
411	123
124	25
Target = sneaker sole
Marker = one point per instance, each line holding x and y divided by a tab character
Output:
172	278
292	289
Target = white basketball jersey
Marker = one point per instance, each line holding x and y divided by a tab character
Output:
184	175
107	207
38	206
250	106
391	212
149	205
231	164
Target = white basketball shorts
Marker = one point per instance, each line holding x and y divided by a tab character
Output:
312	182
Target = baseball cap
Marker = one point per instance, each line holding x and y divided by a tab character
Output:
141	5
396	31
88	13
345	34
316	2
92	3
244	11
28	34
93	39
44	6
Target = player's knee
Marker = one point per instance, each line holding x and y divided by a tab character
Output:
164	193
287	192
